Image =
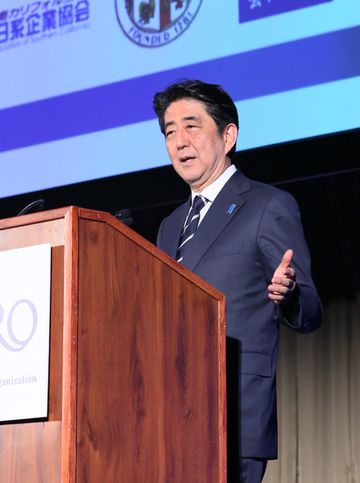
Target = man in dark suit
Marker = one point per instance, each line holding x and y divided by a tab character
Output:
245	238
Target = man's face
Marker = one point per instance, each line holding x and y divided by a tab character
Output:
196	148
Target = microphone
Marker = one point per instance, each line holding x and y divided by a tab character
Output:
124	215
36	205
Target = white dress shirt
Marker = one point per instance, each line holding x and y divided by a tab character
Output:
211	191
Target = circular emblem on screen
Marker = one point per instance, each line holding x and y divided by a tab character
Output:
154	23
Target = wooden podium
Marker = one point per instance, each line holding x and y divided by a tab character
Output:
137	362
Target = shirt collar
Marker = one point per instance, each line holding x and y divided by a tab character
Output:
211	191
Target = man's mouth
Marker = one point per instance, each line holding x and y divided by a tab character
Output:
186	159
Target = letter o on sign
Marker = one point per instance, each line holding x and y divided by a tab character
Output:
18	343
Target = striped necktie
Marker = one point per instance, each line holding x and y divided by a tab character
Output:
190	227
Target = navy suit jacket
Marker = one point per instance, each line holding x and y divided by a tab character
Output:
237	251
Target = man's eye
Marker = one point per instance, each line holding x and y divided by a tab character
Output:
169	133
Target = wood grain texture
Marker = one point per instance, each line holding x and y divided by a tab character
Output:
25	236
150	400
56	333
70	334
30	452
137	362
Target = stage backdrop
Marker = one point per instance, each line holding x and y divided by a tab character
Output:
78	77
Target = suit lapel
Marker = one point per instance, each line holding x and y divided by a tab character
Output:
174	228
224	208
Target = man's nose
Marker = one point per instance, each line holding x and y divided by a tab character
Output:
182	139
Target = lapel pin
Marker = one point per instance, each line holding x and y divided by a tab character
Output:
231	208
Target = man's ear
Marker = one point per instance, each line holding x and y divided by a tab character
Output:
230	136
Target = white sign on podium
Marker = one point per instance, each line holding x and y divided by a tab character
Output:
24	332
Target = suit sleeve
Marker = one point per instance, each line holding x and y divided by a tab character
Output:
280	229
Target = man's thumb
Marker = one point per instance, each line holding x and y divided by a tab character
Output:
287	258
